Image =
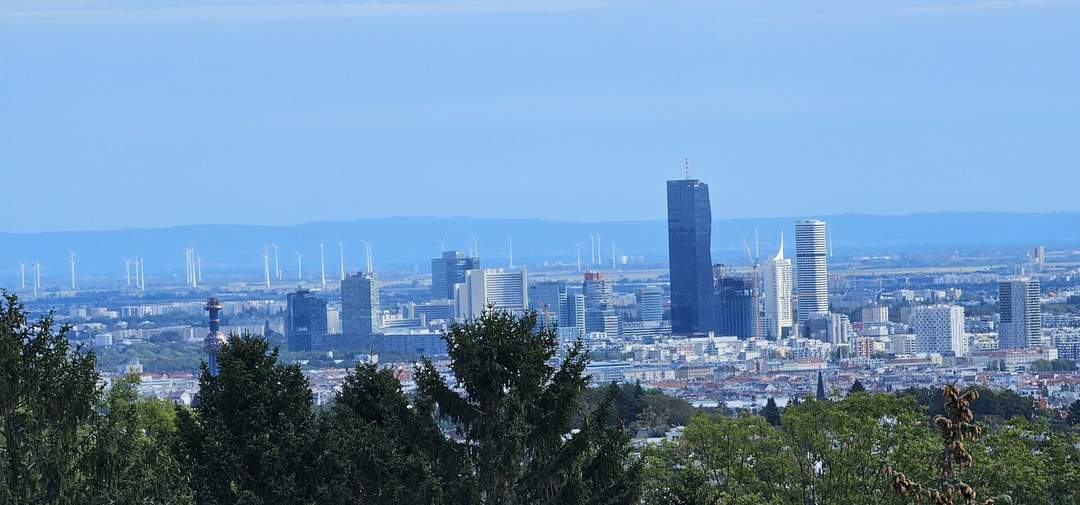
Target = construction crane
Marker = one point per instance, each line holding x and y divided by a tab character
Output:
754	287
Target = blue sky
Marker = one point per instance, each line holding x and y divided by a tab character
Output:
156	113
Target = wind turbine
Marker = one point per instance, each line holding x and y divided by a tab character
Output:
277	266
322	264
37	277
510	251
341	259
22	274
71	259
266	266
299	267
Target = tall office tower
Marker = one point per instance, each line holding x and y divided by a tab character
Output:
215	338
650	303
689	256
1021	314
305	317
734	305
548	299
575	313
777	272
359	309
875	313
811	270
600	315
1038	255
450	270
505	290
939	328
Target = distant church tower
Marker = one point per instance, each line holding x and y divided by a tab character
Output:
215	339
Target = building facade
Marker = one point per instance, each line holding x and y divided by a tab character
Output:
690	256
650	301
811	269
940	329
734	306
1021	313
359	310
777	273
448	271
501	289
305	317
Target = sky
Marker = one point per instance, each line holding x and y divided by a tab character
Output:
148	113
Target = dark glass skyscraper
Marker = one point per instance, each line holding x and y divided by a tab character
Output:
305	317
734	309
689	256
450	270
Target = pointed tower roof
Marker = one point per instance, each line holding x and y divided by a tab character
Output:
780	253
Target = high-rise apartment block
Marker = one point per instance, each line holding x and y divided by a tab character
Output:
811	269
1021	313
939	329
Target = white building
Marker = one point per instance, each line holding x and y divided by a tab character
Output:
875	314
939	329
505	290
811	269
777	271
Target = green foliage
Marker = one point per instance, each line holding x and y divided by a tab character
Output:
251	437
1054	365
380	449
771	412
638	408
1074	413
515	412
47	391
991	405
154	356
130	457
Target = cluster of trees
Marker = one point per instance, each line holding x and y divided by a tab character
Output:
508	423
1052	365
154	356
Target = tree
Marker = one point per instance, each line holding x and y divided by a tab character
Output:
47	390
820	387
250	439
1074	413
841	448
856	387
515	411
379	448
130	457
771	412
1054	365
955	428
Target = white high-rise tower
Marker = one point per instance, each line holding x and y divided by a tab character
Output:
777	271
811	269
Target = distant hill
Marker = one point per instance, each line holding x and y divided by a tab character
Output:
407	242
